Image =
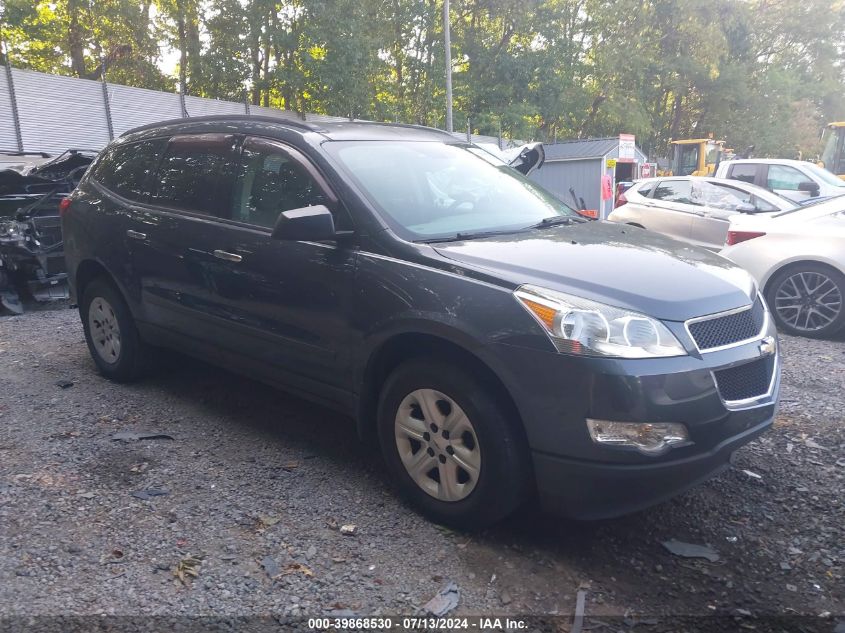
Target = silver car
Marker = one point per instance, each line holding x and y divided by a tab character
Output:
694	209
798	260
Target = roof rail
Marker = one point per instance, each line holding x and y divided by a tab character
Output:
226	117
412	126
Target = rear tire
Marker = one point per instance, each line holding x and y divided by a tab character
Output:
808	299
111	334
468	478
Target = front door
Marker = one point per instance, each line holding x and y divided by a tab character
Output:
282	303
786	181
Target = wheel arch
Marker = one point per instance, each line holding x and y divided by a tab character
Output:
796	263
90	269
401	347
86	272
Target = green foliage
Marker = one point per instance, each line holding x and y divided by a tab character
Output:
754	72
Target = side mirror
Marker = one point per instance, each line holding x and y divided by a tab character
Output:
309	224
746	207
530	157
810	187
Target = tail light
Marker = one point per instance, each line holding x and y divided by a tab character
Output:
736	237
64	206
620	200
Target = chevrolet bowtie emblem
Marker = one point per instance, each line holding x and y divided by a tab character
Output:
768	346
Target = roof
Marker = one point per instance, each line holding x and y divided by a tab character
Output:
344	130
767	161
777	200
589	148
713	179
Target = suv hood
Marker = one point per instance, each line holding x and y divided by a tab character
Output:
622	266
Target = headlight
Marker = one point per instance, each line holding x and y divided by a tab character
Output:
582	326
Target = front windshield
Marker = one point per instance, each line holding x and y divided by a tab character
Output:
430	190
825	176
688	162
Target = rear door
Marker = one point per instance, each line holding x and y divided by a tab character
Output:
122	178
171	235
718	202
670	208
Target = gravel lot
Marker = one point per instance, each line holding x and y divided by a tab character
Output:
260	481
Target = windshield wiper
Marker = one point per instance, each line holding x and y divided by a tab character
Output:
460	237
557	220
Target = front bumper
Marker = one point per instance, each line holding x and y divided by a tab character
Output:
576	477
590	491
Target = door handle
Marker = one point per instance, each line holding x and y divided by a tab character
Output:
135	235
229	257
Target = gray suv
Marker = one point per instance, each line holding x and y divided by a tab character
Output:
494	344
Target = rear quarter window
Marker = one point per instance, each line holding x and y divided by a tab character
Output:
674	191
126	168
646	189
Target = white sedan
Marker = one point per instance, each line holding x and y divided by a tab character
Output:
798	259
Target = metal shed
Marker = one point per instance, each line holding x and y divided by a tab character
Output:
581	164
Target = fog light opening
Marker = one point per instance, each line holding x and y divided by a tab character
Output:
649	438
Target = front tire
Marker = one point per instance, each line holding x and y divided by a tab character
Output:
450	444
807	300
110	332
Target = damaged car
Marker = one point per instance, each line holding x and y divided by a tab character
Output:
31	244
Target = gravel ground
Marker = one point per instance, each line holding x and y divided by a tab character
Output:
260	481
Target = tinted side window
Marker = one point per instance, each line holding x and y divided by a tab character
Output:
270	181
673	191
783	177
744	172
126	169
196	174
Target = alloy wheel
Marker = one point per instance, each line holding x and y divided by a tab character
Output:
104	329
437	445
808	301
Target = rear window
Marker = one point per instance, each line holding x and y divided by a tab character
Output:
744	172
197	173
126	169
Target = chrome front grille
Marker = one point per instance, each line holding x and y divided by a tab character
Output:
728	328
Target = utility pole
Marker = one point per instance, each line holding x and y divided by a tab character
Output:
447	41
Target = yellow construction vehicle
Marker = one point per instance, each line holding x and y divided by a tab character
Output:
833	156
696	157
